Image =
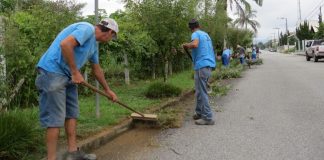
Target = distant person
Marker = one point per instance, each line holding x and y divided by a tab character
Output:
226	57
254	54
258	51
58	76
204	61
241	51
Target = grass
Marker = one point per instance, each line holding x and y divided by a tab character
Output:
220	90
133	96
111	114
19	136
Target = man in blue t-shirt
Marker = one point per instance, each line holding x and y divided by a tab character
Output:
226	56
241	51
254	54
59	74
203	57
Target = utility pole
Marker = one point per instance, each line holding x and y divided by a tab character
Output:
320	16
97	84
299	12
286	24
278	35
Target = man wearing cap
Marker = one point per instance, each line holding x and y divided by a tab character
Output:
203	57
59	74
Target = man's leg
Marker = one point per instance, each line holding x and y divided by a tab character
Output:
51	87
202	96
223	60
51	142
72	113
70	130
198	107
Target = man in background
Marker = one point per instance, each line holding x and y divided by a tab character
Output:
203	57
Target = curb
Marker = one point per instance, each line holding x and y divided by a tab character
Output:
102	138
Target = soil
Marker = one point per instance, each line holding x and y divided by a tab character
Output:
143	136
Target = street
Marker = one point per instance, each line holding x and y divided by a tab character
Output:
274	112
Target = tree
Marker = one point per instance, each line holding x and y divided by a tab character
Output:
320	33
240	37
246	18
240	5
166	22
28	34
304	32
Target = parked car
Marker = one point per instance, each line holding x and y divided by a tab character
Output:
273	50
314	49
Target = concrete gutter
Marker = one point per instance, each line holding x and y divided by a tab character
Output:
104	137
100	139
299	53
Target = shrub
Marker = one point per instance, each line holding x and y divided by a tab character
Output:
19	134
227	73
161	89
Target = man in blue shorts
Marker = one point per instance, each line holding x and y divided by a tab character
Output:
59	74
203	57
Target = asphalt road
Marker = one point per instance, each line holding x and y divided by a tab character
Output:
275	112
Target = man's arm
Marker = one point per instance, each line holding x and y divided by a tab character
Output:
67	47
99	74
192	44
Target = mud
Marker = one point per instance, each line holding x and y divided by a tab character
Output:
142	137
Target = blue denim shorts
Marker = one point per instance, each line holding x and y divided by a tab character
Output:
58	98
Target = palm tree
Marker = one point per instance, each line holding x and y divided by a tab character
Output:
246	18
241	5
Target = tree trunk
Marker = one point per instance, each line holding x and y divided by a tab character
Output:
126	70
170	68
166	66
153	67
14	92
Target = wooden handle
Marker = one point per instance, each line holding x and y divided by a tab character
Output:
189	55
104	94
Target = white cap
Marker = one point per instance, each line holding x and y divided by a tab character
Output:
111	24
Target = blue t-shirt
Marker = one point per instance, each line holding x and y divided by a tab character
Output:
226	52
84	33
203	55
253	51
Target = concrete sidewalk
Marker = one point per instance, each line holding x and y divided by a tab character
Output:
300	53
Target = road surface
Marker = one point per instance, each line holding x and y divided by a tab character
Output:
274	112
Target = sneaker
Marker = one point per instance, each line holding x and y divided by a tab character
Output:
79	155
196	116
204	122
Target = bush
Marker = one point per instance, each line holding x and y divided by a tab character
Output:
161	90
19	134
227	73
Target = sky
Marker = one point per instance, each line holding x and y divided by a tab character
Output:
268	15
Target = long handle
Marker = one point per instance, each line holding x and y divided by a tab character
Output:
104	94
189	55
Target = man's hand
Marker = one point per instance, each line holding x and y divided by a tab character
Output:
112	95
185	46
77	78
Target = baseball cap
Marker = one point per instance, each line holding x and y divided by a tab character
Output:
193	23
111	24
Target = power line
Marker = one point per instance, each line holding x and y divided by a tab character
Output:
320	4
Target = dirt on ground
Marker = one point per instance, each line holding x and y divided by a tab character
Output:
145	136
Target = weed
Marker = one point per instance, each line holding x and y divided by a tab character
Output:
19	134
161	90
